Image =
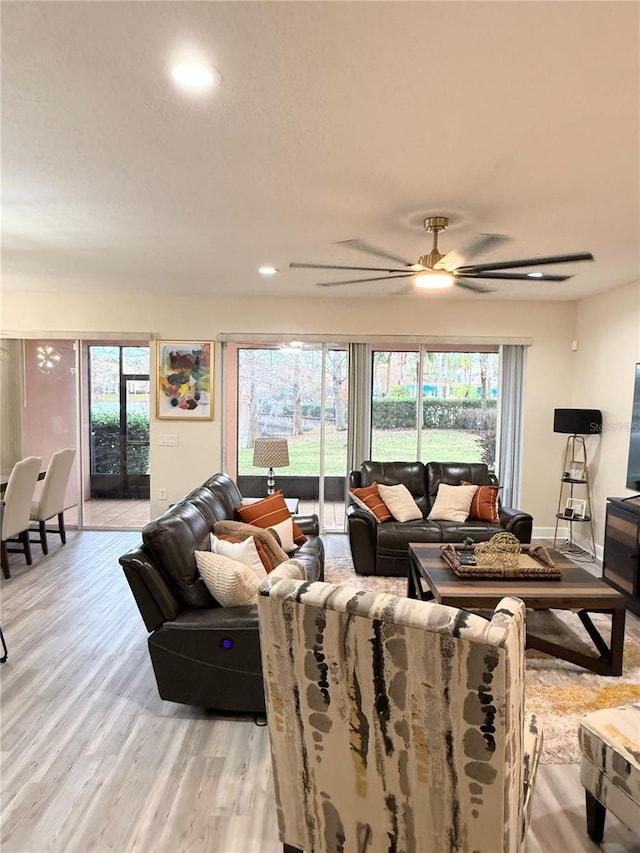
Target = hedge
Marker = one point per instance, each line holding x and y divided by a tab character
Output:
437	413
105	443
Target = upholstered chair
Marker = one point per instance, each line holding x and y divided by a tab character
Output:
16	507
395	724
610	767
51	500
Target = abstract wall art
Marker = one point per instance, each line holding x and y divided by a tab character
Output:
184	388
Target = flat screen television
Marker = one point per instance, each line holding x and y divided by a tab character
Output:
633	467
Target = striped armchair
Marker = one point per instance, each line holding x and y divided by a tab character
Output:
395	724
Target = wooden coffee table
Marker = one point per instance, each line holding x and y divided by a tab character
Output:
578	590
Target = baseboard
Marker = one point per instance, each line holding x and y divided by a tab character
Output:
562	535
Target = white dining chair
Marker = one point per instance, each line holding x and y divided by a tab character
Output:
51	500
16	509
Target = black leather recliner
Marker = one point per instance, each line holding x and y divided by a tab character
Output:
202	653
383	549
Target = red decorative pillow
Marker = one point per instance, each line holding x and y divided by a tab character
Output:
368	497
484	506
269	512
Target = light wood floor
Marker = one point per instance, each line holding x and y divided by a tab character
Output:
93	761
134	514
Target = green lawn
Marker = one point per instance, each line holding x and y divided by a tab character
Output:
444	445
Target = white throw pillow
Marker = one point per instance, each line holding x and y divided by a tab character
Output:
244	552
400	502
284	529
452	503
231	583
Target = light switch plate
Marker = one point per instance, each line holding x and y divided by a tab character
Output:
168	440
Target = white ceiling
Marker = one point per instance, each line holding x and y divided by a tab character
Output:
335	120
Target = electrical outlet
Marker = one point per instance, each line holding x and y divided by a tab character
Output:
162	494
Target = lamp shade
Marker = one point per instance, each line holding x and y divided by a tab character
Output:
271	453
577	421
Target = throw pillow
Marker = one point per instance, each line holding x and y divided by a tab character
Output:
368	498
400	502
271	512
484	505
248	551
452	503
284	533
231	583
241	530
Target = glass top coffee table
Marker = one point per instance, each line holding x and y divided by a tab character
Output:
430	578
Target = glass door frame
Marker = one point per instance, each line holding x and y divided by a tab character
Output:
231	396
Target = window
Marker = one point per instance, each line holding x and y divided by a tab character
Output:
434	405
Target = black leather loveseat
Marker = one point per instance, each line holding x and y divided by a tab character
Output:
382	548
202	653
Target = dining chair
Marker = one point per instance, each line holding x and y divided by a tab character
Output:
395	724
51	500
16	508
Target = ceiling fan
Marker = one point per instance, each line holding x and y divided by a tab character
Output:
436	270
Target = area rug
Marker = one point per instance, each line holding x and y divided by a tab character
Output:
558	691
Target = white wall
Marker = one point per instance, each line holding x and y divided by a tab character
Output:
608	335
549	369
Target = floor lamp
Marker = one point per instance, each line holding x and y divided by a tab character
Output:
576	423
271	453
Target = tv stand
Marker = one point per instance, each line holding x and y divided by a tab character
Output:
621	562
634	500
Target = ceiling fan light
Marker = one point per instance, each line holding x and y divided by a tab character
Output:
433	279
535	275
195	75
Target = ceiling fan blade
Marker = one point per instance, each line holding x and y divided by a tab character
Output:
373	250
335	267
483	243
516	276
468	284
526	262
362	280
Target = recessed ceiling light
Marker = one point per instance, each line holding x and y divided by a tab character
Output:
196	76
534	275
267	270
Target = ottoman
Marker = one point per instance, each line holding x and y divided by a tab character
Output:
610	766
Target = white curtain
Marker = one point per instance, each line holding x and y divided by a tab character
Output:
509	442
360	378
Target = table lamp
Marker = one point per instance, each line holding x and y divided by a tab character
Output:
271	453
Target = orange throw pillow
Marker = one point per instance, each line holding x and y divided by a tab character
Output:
368	497
484	506
268	512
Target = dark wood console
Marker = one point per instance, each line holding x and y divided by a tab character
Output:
621	562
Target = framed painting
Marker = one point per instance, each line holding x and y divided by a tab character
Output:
184	386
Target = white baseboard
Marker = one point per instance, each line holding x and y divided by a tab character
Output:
563	534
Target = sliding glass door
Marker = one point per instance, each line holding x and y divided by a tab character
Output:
297	392
119	421
420	401
434	405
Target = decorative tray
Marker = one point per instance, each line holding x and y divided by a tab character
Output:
533	563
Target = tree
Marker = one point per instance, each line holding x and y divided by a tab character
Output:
336	364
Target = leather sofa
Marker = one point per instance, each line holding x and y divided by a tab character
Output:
382	548
202	653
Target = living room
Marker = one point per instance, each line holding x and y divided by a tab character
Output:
551	162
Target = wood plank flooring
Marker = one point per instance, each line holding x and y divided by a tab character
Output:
92	760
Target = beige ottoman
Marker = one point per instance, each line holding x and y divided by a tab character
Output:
610	768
